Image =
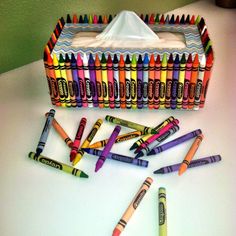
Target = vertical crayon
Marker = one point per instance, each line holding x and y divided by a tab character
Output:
187	81
197	20
139	82
127	82
87	81
175	83
146	19
180	87
157	77
169	77
167	19
192	20
104	81
157	19
122	81
85	19
100	21
187	20
172	19
95	19
116	81
90	19
193	81
109	18
105	20
162	20
177	20
152	19
151	77
163	81
82	85
68	19
206	79
99	81
60	81
162	212
133	82
145	80
76	86
81	20
70	81
75	19
110	82
92	75
182	20
64	80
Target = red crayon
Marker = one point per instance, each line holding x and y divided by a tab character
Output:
162	20
157	77
177	20
192	21
151	76
75	19
78	138
152	19
122	82
110	82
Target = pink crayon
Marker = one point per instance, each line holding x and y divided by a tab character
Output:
110	82
107	148
81	81
156	136
95	19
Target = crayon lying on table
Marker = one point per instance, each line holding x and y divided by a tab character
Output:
130	124
174	142
118	157
58	165
45	132
132	207
194	163
162	212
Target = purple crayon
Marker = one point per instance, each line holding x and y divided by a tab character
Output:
107	148
194	163
174	142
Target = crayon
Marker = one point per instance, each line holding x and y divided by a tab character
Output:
192	20
104	81
139	82
85	19
187	20
99	81
152	19
132	207
182	20
167	19
116	81
100	21
169	77
78	138
157	19
175	83
145	80
81	20
70	81
162	20
45	132
87	81
107	148
109	18
157	76
174	142
157	135
75	19
177	20
187	81
193	81
92	76
122	81
127	82
157	128
172	19
191	152
87	141
163	81
110	82
57	127
141	17
95	19
82	85
63	91
120	138
58	165
133	86
197	20
206	79
105	20
118	157
162	212
193	163
130	124
180	86
90	19
146	19
68	19
76	83
156	142
65	80
62	21
199	83
151	77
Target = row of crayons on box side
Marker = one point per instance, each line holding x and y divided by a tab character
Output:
127	82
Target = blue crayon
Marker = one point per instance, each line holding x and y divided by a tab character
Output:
175	80
45	132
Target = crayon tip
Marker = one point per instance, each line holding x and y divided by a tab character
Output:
182	169
73	57
67	58
140	61
134	59
61	59
196	60
83	175
91	58
159	171
98	165
152	60
122	59
150	153
171	58
164	58
140	154
127	60
176	59
109	60
158	59
38	152
189	58
115	59
133	146
116	232
72	156
103	58
183	59
145	60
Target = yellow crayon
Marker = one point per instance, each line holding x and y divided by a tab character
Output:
163	81
87	141
162	212
133	82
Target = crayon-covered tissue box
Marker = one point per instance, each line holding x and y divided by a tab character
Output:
129	61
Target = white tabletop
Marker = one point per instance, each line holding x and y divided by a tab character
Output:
39	200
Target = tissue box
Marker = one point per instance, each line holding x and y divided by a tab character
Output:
174	73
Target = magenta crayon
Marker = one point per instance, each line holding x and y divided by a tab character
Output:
81	81
151	75
187	81
110	82
169	77
95	19
78	138
116	81
107	148
139	82
127	82
157	77
175	83
93	85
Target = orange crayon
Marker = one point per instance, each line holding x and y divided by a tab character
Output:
122	81
188	158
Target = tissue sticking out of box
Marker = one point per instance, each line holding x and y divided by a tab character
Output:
127	26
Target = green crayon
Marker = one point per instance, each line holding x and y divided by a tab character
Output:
132	125
162	212
58	165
